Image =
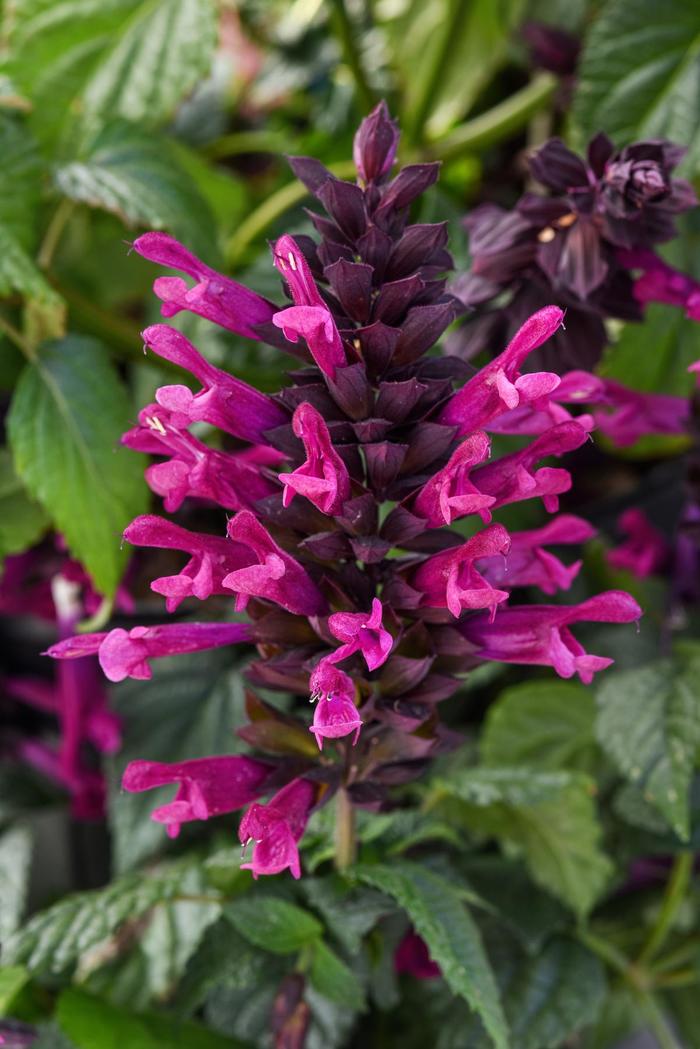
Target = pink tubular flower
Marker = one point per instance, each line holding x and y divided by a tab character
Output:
626	415
323	478
212	559
660	282
223	401
271	573
362	632
412	957
213	296
206	786
576	387
125	653
274	829
513	477
450	580
644	551
499	386
194	470
450	493
310	317
540	634
335	714
529	564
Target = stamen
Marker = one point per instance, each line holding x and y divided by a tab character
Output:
292	260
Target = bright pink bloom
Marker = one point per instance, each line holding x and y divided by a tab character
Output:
450	580
125	654
310	317
207	786
513	477
194	469
86	786
362	632
212	558
527	563
213	296
577	387
412	957
271	573
660	282
540	634
626	415
274	829
644	551
450	493
499	386
335	714
224	401
324	477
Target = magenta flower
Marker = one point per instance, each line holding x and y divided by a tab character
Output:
225	402
625	415
499	387
450	493
217	298
275	829
644	550
125	653
335	714
576	387
450	579
206	786
540	634
412	957
310	317
361	632
272	574
323	478
527	563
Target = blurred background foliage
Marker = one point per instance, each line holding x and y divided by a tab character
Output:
118	116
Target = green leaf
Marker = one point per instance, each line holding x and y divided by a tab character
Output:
103	58
136	175
530	913
189	709
649	724
13	980
19	274
453	940
549	816
334	979
272	923
348	912
223	959
92	1023
546	724
20	181
22	521
15	858
56	939
639	75
676	342
65	422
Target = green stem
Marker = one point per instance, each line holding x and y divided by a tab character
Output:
680	978
54	232
351	53
17	338
99	619
344	831
430	82
609	954
657	1022
497	123
239	142
676	889
272	209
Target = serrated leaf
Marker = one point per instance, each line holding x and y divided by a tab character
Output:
65	422
531	914
546	724
19	274
189	709
92	1023
549	816
649	724
56	939
15	858
348	912
20	181
22	520
223	959
334	979
453	940
273	924
136	175
639	75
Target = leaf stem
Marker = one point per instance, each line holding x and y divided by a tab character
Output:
496	123
272	209
17	338
428	86
345	841
676	889
657	1021
239	142
345	32
54	232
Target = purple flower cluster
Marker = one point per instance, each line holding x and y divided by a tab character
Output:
576	245
342	492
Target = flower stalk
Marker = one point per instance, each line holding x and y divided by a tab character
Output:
345	838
